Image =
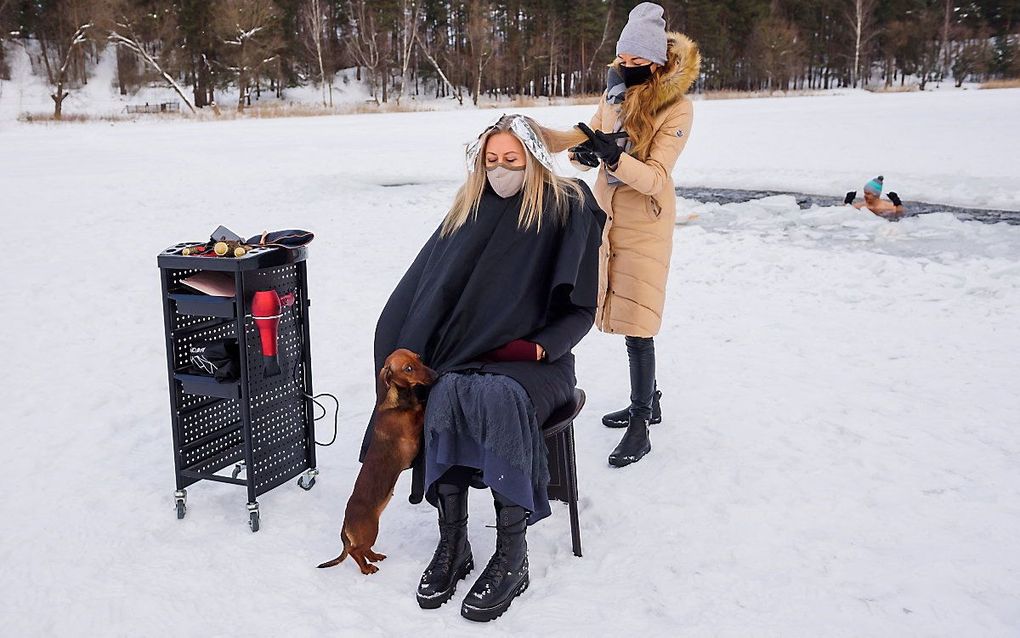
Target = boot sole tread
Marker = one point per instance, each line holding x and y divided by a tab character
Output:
623	424
625	464
494	612
439	601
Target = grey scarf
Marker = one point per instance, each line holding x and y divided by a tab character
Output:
616	90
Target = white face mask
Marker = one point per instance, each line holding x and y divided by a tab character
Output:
505	180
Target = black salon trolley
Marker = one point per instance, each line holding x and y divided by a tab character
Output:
262	426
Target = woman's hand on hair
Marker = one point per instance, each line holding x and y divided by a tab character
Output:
604	145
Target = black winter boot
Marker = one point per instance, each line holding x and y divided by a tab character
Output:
621	418
634	445
644	393
452	561
506	575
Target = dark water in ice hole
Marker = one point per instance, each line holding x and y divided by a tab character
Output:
804	200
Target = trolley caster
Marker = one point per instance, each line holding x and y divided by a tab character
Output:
237	470
307	480
253	516
180	500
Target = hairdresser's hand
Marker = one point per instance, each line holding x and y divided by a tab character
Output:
585	154
850	197
604	144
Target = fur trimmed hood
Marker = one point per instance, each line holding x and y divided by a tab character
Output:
683	65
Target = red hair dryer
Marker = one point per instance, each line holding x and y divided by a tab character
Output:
266	309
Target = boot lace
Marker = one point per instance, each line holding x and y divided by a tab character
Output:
444	551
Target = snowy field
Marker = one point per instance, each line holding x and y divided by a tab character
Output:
839	454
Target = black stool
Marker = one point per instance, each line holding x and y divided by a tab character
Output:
559	439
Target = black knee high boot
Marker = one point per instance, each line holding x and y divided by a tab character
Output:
641	355
635	443
452	561
506	575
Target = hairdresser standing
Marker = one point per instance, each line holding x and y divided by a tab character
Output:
645	98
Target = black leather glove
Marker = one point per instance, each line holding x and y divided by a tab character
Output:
585	154
895	199
604	144
850	197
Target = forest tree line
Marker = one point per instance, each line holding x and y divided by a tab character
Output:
468	49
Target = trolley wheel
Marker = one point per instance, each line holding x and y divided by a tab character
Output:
307	480
253	521
180	500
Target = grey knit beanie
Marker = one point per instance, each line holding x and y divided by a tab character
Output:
644	35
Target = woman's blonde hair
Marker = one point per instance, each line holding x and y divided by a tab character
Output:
638	112
539	183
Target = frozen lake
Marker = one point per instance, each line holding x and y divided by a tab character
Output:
840	453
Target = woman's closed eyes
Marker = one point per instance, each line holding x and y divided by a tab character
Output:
512	159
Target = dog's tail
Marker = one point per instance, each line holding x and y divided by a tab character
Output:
339	559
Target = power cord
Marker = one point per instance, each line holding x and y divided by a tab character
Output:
336	414
315	400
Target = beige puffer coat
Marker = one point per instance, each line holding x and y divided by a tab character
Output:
638	238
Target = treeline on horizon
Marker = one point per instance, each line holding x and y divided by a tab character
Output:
540	48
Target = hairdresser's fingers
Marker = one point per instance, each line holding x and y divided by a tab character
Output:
586	130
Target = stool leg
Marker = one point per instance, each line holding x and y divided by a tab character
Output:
575	525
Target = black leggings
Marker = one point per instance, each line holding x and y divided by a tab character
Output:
641	353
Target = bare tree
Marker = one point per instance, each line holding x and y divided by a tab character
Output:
860	16
926	26
410	12
315	24
248	30
777	51
364	42
67	27
602	42
5	28
973	55
480	39
455	90
124	32
945	48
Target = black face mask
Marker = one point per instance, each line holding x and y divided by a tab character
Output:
634	75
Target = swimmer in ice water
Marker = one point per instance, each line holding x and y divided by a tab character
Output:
889	209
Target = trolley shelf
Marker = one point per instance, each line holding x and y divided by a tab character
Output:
208	386
205	476
204	305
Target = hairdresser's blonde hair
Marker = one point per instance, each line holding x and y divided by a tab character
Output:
539	182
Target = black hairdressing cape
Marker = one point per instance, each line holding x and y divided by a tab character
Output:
491	282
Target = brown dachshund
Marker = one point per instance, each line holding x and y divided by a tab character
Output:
398	423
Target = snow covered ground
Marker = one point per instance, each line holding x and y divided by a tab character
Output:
839	455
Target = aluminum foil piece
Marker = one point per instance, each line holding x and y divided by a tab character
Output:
523	131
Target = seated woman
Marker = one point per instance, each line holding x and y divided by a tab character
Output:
494	302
